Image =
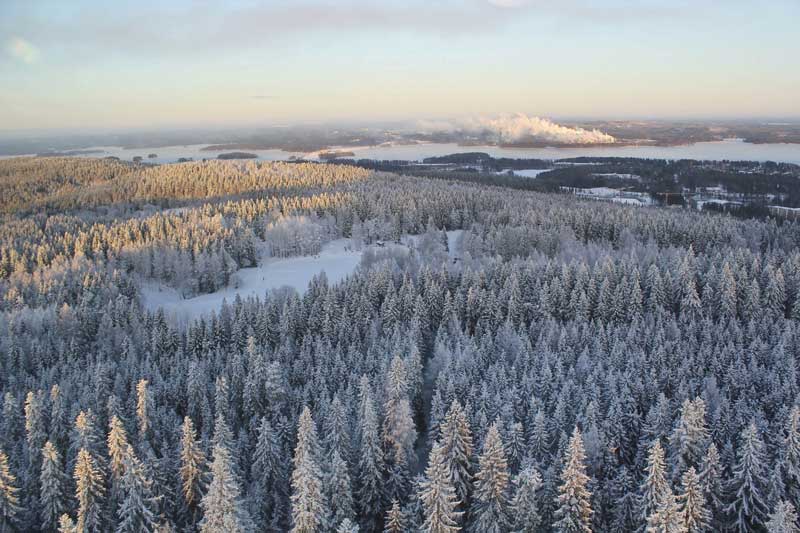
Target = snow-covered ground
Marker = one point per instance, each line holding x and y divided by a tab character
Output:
620	176
628	201
716	201
638	199
453	242
531	172
336	259
598	191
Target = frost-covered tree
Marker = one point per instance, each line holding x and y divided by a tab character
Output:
90	493
689	439
35	429
118	450
9	496
66	524
399	430
489	510
309	510
667	518
370	464
438	496
222	507
696	516
138	505
455	438
783	519
395	521
712	483
52	487
655	488
791	454
143	407
338	491
525	517
574	513
748	507
269	474
193	469
346	526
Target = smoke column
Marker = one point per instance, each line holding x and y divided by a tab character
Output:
520	127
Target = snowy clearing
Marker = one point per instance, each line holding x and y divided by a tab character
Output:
531	172
633	177
336	259
715	201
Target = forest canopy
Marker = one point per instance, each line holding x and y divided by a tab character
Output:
576	366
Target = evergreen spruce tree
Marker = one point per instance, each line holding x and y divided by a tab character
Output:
90	493
655	488
456	441
696	516
137	508
339	493
395	522
689	440
35	430
748	506
626	515
438	496
193	473
525	516
489	511
118	450
399	430
711	483
52	487
667	517
9	496
574	513
143	408
370	467
347	526
269	475
783	519
791	455
66	524
86	435
222	507
309	512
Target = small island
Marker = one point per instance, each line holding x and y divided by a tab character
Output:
237	155
152	156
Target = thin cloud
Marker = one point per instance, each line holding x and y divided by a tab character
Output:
164	30
22	50
159	29
263	97
508	3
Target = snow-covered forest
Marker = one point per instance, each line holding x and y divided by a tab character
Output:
576	367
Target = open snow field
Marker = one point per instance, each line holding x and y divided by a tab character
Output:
531	172
337	259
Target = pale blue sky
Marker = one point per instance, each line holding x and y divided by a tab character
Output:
91	64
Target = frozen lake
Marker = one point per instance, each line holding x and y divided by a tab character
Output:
732	149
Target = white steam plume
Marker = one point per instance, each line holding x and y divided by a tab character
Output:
519	128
